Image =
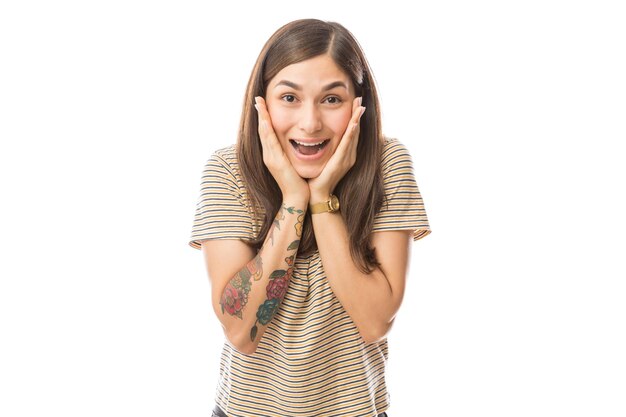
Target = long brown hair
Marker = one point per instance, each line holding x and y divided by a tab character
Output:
361	190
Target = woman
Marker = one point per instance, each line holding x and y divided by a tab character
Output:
305	225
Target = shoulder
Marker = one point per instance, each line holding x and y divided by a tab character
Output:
222	167
227	154
395	155
224	160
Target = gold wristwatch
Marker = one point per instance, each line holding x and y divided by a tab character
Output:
328	206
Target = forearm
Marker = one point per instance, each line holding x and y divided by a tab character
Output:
251	298
367	298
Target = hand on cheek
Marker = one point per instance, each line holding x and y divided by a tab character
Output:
343	159
290	183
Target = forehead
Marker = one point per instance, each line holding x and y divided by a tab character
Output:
313	74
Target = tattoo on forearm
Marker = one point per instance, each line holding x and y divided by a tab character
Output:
276	224
281	216
298	225
279	279
235	295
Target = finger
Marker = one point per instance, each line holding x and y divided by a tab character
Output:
357	112
353	136
356	119
353	128
262	116
357	109
272	150
266	131
262	108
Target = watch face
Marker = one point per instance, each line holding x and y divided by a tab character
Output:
334	203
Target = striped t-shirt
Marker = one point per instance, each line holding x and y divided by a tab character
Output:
311	360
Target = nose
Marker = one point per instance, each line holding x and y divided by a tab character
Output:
310	118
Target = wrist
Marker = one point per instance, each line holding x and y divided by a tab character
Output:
328	204
319	196
299	200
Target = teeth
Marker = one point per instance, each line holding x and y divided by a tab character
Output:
309	144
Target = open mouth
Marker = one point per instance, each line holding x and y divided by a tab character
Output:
306	149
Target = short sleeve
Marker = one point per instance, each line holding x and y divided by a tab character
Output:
404	208
220	209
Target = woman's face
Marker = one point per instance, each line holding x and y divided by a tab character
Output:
310	102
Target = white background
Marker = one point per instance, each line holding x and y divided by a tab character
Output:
513	112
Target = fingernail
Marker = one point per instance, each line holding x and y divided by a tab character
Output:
256	100
362	111
360	100
256	107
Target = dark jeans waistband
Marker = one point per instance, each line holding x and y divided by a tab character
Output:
217	412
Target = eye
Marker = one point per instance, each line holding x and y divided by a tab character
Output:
334	100
290	98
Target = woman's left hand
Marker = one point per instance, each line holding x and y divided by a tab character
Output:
342	160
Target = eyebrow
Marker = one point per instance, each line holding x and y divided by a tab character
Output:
299	88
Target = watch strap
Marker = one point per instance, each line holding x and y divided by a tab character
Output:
324	206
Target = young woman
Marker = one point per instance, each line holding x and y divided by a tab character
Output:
305	225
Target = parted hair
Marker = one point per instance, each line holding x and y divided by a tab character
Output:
361	190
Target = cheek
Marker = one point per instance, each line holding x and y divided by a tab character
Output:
339	122
280	120
283	121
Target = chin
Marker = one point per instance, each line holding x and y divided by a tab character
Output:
308	172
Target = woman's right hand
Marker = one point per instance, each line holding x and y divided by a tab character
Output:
289	181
